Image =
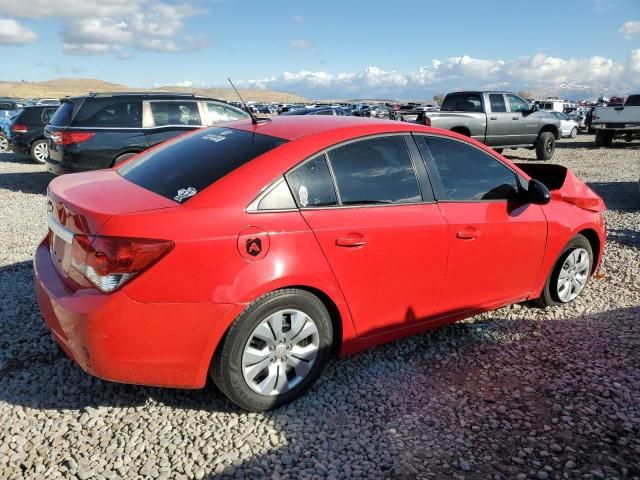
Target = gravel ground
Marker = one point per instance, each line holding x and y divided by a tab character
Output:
517	393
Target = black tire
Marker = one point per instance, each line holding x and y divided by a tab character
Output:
122	158
545	146
574	132
39	151
4	145
603	138
549	296
226	367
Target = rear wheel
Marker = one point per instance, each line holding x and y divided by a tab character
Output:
603	138
4	144
570	273
274	351
545	146
39	151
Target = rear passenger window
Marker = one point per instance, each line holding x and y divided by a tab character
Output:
123	114
175	113
312	185
467	173
47	113
376	170
497	102
462	102
222	113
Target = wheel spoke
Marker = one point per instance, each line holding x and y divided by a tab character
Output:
307	353
301	366
266	386
253	355
263	332
282	384
308	329
275	322
298	321
250	372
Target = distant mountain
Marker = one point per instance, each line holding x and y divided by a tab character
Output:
61	87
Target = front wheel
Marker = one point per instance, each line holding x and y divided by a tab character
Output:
574	132
4	144
274	351
570	273
603	138
545	146
39	151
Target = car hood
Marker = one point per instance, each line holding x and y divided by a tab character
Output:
564	185
82	202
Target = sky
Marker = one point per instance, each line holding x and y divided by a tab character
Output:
328	48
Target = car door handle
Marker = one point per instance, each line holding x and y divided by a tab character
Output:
351	241
468	234
493	118
515	118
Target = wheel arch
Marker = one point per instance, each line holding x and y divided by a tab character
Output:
551	128
462	131
594	240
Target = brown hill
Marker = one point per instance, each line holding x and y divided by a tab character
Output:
61	87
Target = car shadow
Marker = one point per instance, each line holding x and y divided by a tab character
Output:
618	195
11	157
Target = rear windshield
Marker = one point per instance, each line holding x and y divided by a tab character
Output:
62	117
181	169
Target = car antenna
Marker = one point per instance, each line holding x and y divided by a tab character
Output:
254	120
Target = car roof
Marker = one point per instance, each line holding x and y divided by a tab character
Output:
144	95
291	127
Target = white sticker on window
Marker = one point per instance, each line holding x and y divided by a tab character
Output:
185	193
303	195
214	138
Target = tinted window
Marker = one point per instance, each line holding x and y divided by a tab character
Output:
462	102
516	104
62	117
6	106
47	113
124	114
312	185
497	102
324	112
180	169
218	112
633	101
377	170
466	172
175	113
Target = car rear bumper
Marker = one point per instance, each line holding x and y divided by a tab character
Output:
115	338
61	167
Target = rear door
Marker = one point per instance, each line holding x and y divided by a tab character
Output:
384	237
497	240
166	119
525	124
499	122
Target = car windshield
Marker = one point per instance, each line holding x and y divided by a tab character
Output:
180	169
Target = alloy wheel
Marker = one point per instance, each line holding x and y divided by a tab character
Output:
573	275
41	152
280	352
4	144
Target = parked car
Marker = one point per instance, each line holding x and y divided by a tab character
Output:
498	119
616	120
376	111
317	111
25	131
568	126
244	251
8	108
101	130
580	117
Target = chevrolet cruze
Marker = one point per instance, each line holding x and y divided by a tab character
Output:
252	252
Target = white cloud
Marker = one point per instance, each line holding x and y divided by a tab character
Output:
630	29
13	33
535	72
299	44
94	27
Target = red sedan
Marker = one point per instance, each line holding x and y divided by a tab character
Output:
252	252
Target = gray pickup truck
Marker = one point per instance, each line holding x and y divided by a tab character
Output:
499	120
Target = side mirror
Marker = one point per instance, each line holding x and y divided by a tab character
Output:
538	193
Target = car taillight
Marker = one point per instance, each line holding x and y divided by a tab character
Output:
110	262
66	138
19	128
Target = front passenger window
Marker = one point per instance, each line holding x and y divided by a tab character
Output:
466	172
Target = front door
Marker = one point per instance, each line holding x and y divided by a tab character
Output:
497	240
386	244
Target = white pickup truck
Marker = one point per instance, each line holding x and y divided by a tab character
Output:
623	120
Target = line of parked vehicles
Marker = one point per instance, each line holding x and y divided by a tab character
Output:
101	130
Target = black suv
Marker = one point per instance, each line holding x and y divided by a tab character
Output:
25	132
101	130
